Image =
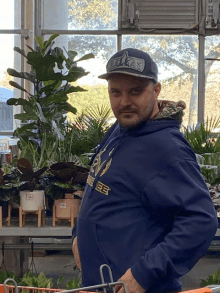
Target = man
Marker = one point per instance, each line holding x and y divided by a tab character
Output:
146	211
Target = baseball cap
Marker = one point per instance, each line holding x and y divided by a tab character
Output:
132	62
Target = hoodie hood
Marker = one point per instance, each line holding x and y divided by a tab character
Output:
170	110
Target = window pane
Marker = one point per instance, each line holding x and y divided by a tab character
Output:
176	57
8	59
80	14
10	14
212	90
103	47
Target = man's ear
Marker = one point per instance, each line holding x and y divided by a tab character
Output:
157	89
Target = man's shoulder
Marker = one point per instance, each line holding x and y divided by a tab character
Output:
171	144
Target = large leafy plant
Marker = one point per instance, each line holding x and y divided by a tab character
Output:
51	74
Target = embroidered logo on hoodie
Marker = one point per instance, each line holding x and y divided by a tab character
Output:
97	165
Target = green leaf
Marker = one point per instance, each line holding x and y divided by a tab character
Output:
28	126
75	89
53	99
48	42
86	57
16	85
74	75
34	58
60	280
50	86
14	73
48	60
40	41
17	102
22	52
24	117
58	54
24	75
46	76
72	54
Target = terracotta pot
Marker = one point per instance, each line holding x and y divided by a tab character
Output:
63	208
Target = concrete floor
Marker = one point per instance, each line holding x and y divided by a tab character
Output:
55	265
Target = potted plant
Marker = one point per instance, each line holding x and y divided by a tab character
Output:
32	197
69	178
31	193
9	184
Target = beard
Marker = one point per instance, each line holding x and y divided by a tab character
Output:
130	118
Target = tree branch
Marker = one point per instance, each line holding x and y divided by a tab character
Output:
182	66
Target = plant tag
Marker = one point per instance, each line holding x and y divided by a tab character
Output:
29	196
63	205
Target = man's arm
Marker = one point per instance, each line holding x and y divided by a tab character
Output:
75	250
178	191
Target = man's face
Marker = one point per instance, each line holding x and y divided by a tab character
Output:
132	99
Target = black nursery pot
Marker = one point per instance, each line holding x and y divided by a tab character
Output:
4	205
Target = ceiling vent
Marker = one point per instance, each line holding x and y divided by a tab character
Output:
159	14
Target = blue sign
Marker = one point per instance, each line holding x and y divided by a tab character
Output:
6	111
5	94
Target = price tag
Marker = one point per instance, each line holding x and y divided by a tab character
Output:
29	196
63	205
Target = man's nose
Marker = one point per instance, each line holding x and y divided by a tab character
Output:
125	99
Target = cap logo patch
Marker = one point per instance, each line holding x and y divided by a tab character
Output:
126	61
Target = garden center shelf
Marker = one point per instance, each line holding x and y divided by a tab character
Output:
31	231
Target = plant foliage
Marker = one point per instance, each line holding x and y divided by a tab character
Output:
5	275
46	107
40	280
212	279
73	284
202	139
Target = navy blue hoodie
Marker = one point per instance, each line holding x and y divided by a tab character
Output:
145	207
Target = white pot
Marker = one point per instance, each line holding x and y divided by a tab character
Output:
31	200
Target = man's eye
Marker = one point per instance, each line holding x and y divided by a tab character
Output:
136	91
115	92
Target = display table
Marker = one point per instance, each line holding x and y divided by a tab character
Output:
17	245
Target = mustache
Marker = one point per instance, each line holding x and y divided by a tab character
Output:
127	109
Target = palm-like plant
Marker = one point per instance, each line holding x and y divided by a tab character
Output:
80	138
89	128
202	139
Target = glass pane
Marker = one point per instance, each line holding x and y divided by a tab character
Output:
103	47
176	57
8	58
10	14
80	14
212	92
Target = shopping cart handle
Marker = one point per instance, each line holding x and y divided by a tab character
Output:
207	289
13	281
